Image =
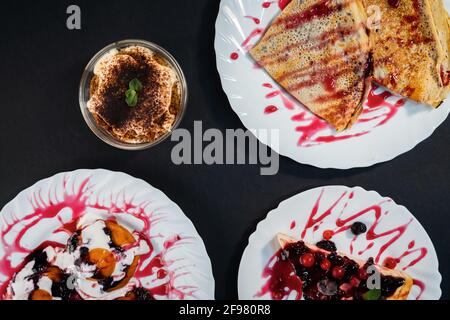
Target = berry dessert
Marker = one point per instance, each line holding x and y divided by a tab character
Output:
315	273
98	262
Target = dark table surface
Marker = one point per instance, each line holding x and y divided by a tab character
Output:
43	132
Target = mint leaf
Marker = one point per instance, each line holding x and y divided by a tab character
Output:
131	97
373	294
135	85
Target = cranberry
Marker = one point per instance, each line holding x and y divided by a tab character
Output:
354	281
325	264
328	234
338	272
307	260
362	273
390	263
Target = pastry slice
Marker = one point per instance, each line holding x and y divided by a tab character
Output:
411	49
335	276
318	51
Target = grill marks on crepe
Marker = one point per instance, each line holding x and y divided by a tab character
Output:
321	9
323	40
411	49
309	43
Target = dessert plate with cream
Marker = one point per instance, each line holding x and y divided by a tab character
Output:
347	83
100	235
339	243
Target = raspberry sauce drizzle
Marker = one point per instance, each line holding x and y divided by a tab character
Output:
318	10
281	277
421	287
281	4
377	111
293	225
254	19
78	202
422	252
245	44
270	109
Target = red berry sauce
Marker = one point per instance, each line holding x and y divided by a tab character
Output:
320	275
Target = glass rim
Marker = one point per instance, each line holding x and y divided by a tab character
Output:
103	134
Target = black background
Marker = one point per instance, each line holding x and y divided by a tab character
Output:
43	132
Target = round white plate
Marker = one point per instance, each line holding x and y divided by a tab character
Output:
381	134
178	249
397	231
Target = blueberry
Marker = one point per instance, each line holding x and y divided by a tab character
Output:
351	267
327	245
73	242
390	284
358	228
40	261
297	249
84	255
61	289
143	294
336	259
370	262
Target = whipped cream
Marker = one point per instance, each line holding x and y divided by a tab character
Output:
81	274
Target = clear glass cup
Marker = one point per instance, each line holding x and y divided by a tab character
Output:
84	94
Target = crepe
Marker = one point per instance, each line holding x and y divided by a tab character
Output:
319	52
411	49
400	294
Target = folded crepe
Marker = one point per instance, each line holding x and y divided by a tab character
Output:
411	49
319	52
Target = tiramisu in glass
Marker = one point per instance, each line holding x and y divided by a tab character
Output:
132	94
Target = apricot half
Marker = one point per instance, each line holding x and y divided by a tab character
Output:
54	273
119	235
40	294
129	296
130	272
104	260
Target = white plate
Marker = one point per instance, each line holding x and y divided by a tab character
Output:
292	216
132	202
254	96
